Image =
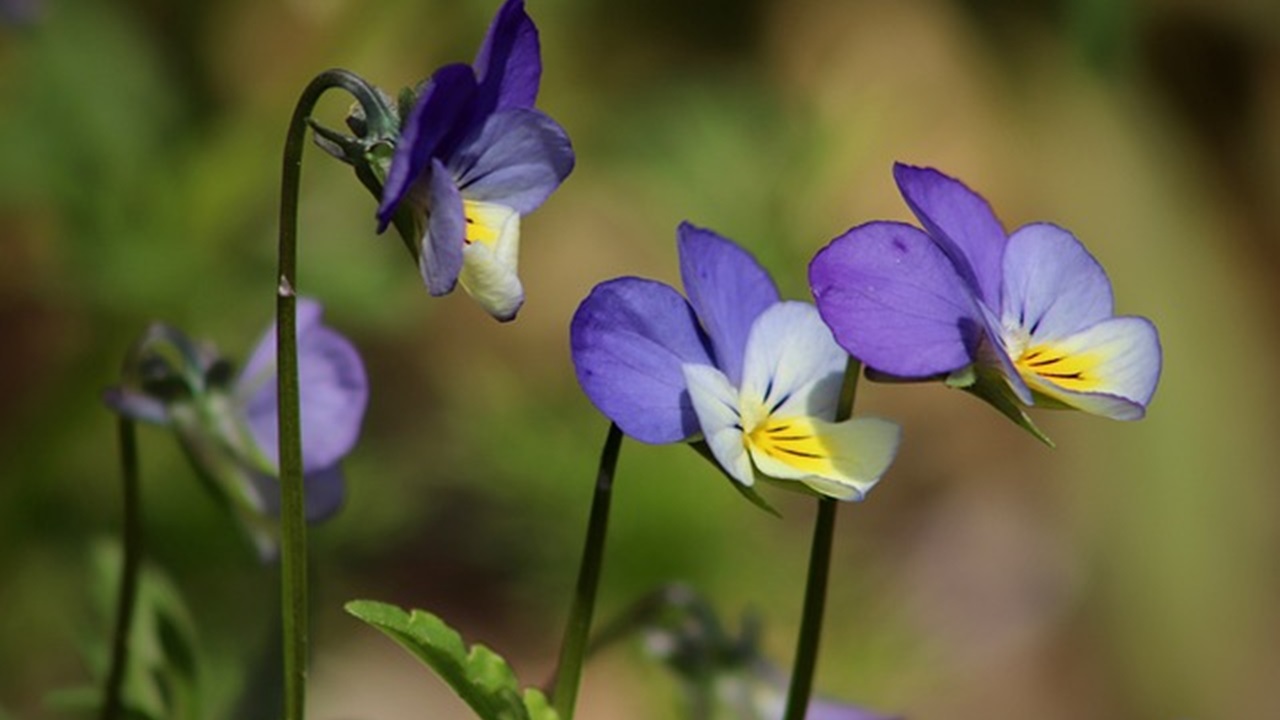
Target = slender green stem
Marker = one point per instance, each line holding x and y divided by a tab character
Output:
574	648
815	592
293	525
132	532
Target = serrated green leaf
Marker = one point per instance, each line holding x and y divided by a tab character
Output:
479	676
538	706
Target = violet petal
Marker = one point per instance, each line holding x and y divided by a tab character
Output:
728	290
629	340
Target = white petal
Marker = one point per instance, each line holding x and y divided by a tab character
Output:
490	257
716	403
793	365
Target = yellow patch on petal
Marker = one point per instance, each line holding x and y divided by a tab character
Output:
794	442
1077	373
485	221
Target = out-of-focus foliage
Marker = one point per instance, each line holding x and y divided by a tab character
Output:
1130	573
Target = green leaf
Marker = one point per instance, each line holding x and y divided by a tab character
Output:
478	675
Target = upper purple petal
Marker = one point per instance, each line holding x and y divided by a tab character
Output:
444	105
728	290
440	259
1053	287
895	302
629	340
332	386
509	63
961	222
516	158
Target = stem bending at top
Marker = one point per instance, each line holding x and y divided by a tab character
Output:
293	524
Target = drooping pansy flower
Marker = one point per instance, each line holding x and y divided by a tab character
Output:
1023	318
227	423
474	155
757	377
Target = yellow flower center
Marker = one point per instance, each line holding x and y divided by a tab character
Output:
793	441
1077	372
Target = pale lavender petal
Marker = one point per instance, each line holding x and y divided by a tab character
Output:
325	492
333	392
509	64
441	258
820	709
136	405
727	289
1053	287
629	340
895	302
516	158
961	222
260	368
445	103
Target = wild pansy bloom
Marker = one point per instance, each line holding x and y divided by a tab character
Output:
1030	313
475	155
757	377
228	425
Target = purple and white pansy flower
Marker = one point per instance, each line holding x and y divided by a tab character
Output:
756	377
229	426
475	155
1026	316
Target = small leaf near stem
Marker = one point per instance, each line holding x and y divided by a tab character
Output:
132	533
574	648
815	593
293	523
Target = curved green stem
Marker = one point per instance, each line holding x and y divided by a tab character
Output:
815	592
132	532
574	648
293	525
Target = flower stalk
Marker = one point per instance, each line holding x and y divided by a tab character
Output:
574	648
293	522
112	703
815	593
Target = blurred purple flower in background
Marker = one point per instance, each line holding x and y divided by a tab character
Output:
1029	313
474	156
757	377
228	427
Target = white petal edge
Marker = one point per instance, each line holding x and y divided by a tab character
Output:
715	401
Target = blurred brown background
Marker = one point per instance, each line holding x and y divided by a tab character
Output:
1131	573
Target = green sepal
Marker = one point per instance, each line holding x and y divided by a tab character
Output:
991	387
748	492
480	677
963	378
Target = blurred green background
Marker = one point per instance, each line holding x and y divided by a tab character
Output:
1132	573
